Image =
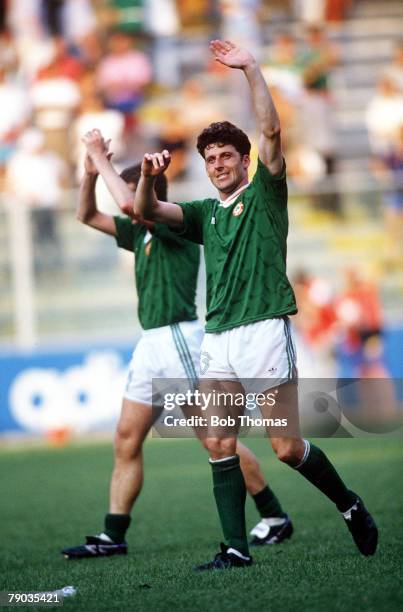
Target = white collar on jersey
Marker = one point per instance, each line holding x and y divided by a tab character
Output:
233	196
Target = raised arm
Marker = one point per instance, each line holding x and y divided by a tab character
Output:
231	55
119	189
146	203
87	211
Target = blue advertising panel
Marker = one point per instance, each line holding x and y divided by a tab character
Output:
79	390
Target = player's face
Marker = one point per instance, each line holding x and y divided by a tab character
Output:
226	168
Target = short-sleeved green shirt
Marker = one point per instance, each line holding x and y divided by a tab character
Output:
166	268
245	249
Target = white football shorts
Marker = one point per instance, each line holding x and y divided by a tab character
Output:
170	352
260	355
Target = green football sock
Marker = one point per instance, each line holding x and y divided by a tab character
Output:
230	497
116	526
267	504
316	468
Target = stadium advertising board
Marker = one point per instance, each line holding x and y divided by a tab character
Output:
77	390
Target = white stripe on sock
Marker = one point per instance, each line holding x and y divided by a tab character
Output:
304	456
222	460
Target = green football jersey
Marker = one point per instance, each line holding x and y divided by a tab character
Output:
166	268
245	249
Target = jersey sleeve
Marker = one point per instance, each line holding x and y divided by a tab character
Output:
127	233
274	188
193	219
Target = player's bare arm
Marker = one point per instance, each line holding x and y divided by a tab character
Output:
118	188
146	203
87	211
231	55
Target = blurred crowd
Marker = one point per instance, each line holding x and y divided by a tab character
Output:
70	65
299	75
61	73
340	334
344	324
384	120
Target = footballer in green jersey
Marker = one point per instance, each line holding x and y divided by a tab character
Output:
248	344
245	252
166	281
166	269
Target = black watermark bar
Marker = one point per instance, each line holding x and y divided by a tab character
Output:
321	407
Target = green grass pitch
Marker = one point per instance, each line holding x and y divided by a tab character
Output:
51	498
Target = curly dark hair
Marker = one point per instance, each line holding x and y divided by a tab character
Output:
223	133
132	175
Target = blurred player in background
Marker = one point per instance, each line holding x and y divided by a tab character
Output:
249	299
166	270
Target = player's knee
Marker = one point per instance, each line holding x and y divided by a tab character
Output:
219	448
211	445
287	452
127	443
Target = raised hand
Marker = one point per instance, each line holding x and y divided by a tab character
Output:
95	143
89	165
231	55
155	163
